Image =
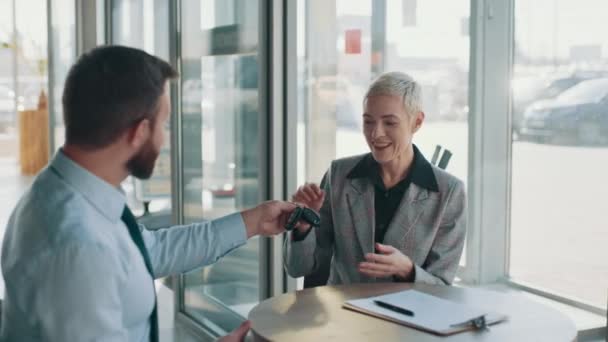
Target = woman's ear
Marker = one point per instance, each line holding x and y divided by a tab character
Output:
418	120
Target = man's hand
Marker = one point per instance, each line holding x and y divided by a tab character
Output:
390	262
311	196
238	334
268	218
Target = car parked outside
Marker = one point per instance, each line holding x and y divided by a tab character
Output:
579	115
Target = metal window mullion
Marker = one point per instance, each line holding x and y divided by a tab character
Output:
86	26
279	119
108	21
290	113
177	197
50	77
489	139
265	129
473	249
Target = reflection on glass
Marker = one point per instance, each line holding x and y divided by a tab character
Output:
31	51
23	71
144	24
221	149
64	55
23	75
560	145
8	100
344	44
23	82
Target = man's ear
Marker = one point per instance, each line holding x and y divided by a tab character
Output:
139	133
418	120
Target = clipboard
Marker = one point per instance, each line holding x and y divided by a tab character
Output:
431	314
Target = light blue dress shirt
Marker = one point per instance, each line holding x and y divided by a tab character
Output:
72	271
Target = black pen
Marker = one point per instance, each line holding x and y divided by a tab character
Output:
394	308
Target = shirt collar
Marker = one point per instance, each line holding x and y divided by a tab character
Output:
422	173
107	199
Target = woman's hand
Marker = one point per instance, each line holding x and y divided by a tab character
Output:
390	262
311	196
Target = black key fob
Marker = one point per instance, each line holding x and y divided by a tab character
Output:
302	214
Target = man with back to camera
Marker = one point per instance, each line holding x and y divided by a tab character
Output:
77	266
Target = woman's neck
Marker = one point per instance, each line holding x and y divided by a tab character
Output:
396	170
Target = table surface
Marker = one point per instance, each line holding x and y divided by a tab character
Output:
316	314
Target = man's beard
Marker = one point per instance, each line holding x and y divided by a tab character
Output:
142	164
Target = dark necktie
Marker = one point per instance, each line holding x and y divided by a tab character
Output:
129	220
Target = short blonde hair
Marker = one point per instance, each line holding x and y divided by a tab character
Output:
400	84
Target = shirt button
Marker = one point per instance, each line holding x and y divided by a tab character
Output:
386	194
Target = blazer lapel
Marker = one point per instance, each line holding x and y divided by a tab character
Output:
360	198
410	209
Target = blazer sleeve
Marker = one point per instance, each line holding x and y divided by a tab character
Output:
442	261
303	257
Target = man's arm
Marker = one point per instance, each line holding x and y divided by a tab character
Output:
183	248
78	297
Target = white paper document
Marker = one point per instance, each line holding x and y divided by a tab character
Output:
430	313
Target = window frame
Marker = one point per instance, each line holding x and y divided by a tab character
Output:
491	27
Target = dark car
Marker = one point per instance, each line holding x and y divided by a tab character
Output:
535	90
578	115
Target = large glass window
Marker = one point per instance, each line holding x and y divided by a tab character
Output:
344	44
560	148
144	24
63	40
23	83
31	51
221	148
23	68
8	98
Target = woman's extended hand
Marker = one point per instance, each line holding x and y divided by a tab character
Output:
311	196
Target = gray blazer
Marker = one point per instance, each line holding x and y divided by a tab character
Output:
429	227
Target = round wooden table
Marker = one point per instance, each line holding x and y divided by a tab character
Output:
317	315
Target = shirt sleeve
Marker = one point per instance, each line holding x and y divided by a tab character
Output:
79	297
183	248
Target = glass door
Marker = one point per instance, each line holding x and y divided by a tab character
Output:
222	150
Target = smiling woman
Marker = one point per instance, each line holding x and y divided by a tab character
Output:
405	217
392	114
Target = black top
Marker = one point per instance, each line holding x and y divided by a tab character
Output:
387	201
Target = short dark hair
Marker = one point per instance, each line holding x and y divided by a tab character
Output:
108	90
